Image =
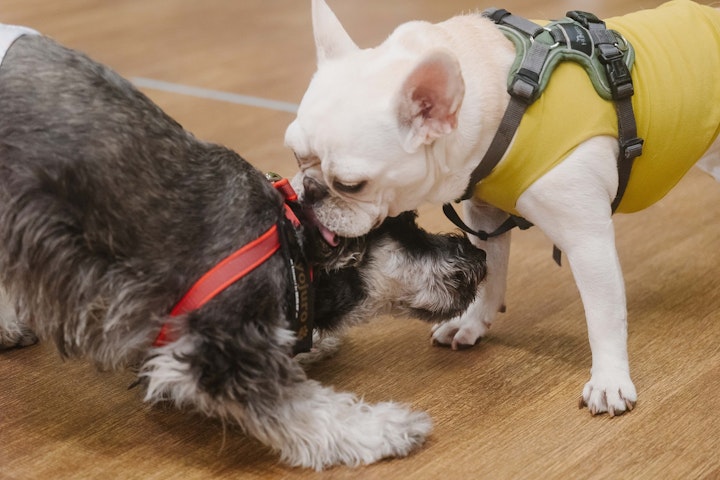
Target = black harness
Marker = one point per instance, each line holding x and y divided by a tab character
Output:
300	308
581	37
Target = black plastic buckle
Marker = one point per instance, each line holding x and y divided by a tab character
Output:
632	148
521	223
583	18
617	72
525	85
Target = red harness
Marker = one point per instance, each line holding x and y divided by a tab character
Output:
234	267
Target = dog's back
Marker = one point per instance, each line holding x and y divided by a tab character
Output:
103	196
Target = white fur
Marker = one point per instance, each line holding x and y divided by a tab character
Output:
362	433
324	346
711	165
352	127
312	426
12	332
472	325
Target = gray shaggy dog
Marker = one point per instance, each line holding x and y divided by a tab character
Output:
110	211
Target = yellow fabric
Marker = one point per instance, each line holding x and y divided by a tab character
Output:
677	107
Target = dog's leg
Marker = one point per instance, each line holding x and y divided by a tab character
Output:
12	332
317	427
267	393
465	330
571	204
710	162
325	345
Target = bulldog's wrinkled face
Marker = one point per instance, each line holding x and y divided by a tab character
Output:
348	152
365	128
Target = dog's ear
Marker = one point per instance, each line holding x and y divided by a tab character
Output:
430	99
331	39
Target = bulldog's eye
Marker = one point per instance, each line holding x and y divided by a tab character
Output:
349	187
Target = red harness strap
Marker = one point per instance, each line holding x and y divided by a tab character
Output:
232	268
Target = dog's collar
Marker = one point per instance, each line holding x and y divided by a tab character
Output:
282	235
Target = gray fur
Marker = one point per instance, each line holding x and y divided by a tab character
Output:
110	210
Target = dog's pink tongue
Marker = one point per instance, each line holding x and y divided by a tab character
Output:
329	236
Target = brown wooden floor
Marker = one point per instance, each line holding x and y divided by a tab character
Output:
503	410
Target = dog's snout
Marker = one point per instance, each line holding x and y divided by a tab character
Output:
314	190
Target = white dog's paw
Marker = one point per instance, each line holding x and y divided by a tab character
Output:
459	333
614	394
400	429
364	434
324	346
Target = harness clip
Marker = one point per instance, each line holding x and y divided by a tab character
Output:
632	148
583	18
525	85
617	72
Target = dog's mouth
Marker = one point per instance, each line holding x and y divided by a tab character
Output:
330	237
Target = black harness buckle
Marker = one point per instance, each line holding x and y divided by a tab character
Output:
632	148
617	72
583	18
525	86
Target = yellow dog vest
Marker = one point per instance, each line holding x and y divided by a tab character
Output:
676	104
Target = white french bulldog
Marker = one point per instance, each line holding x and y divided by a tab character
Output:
387	129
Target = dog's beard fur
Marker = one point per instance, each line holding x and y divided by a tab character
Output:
109	211
403	271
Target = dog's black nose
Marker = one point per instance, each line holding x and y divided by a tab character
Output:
314	190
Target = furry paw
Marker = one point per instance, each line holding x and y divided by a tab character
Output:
324	346
459	333
398	430
17	339
614	394
366	434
